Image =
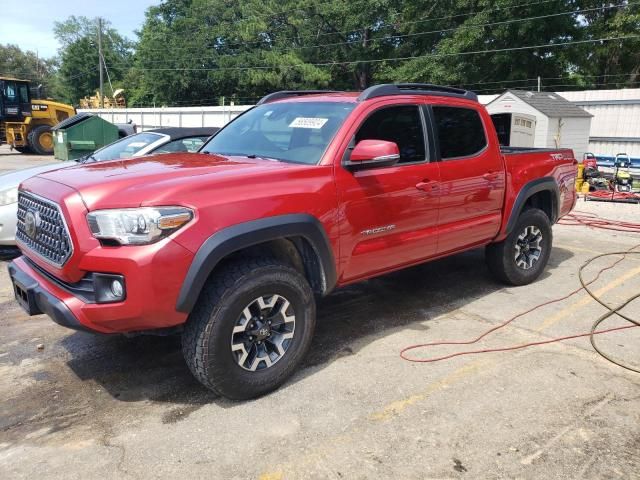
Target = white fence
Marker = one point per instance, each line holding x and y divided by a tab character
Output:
148	118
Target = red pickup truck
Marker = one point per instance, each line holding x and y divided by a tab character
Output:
305	192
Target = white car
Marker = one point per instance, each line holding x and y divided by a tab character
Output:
162	140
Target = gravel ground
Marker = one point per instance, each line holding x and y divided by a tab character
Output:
89	406
12	160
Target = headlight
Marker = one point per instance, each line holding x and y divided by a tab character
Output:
138	226
9	196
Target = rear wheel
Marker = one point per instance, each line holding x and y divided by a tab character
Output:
250	328
22	149
521	257
41	140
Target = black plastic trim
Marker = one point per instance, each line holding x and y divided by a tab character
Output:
390	89
531	188
45	302
272	97
237	237
92	288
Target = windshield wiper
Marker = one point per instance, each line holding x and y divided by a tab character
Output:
250	155
86	158
271	159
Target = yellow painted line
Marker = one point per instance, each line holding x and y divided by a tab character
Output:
577	249
271	476
588	250
565	312
396	407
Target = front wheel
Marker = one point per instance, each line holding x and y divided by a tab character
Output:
521	257
41	140
250	328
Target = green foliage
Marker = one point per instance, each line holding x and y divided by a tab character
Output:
78	74
192	52
613	64
26	65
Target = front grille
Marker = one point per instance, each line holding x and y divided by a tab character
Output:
41	228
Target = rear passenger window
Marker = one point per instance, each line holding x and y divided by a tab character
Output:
402	125
460	131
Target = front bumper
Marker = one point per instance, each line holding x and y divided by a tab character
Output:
153	275
36	300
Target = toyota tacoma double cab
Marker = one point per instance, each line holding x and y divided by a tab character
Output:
305	192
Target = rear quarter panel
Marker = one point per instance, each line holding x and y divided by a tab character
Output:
523	168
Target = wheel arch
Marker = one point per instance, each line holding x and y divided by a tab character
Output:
542	193
297	238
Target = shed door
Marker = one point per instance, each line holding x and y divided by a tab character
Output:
523	128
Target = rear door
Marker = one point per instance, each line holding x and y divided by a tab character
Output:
389	214
472	178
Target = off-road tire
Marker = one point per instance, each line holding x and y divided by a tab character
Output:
35	140
500	256
206	339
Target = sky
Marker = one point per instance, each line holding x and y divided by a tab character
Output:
29	23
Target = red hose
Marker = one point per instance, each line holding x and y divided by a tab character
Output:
591	220
575	219
612	196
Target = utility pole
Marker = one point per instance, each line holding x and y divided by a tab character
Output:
539	82
100	63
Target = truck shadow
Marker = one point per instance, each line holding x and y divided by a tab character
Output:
152	368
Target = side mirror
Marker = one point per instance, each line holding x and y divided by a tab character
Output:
373	153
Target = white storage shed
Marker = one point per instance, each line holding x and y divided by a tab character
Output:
541	120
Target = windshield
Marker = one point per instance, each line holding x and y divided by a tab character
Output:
292	132
126	147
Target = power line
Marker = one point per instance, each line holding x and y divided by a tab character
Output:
369	27
391	59
577	77
539	17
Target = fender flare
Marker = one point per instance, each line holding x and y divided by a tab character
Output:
243	235
529	189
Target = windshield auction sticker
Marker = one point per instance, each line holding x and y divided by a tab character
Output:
308	122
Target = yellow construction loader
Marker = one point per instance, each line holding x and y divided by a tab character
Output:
25	122
116	101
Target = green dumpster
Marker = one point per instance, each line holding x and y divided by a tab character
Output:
82	134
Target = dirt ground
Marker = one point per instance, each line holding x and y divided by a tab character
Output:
108	407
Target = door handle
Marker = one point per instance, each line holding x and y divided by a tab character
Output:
427	185
490	176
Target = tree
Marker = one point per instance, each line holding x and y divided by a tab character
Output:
197	51
78	73
15	62
615	63
473	46
191	50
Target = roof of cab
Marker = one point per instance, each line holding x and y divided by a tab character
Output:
383	90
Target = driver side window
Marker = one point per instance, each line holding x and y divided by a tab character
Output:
401	125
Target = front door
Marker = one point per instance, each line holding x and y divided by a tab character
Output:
390	214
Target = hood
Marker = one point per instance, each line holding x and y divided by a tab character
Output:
16	177
156	179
